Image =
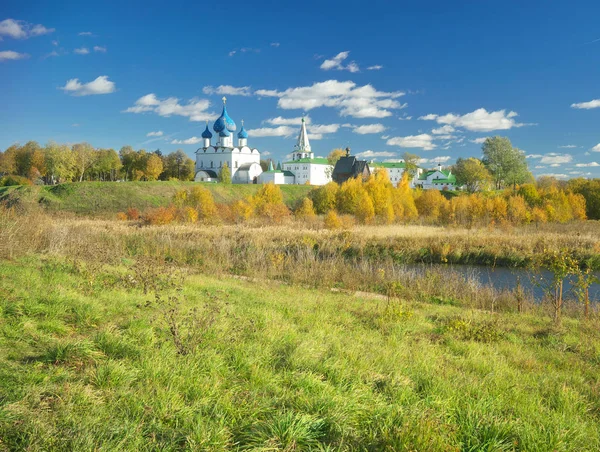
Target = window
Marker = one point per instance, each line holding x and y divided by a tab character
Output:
211	164
236	164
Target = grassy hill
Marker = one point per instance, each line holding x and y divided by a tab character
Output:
112	197
130	357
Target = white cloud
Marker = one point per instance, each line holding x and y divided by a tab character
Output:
587	105
336	63
281	121
423	141
441	159
534	156
195	109
227	90
158	133
99	49
479	120
233	52
444	130
351	100
19	29
556	175
82	51
7	55
54	53
275	44
54	43
315	131
584	165
405	117
555	159
370	153
479	140
375	67
101	85
568	146
596	148
369	128
281	131
85	33
192	140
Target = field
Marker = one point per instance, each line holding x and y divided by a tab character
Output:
118	335
90	361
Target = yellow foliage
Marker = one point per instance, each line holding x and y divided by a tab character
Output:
517	210
189	214
349	196
365	211
332	221
306	210
324	197
122	216
202	200
577	203
430	204
180	197
539	215
380	190
242	210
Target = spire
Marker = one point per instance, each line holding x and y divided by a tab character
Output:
303	145
278	166
271	166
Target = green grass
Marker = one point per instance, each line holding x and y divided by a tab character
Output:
101	198
87	362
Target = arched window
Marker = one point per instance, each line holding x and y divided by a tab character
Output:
236	164
211	164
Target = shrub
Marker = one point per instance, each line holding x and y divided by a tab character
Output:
241	210
122	216
10	180
201	199
180	197
305	210
160	216
332	221
133	214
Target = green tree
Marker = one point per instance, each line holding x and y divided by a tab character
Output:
471	173
225	174
506	164
411	162
154	167
60	163
128	157
324	197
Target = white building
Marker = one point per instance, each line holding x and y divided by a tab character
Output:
276	176
243	162
437	179
304	166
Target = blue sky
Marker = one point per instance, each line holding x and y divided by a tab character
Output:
383	77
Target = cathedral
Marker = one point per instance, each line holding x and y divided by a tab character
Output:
243	161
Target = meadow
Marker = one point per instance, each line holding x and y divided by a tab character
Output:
127	335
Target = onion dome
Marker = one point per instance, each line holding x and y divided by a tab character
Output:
224	133
243	133
206	133
224	121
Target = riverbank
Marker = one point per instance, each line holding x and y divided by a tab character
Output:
88	359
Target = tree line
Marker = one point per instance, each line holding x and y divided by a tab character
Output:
57	163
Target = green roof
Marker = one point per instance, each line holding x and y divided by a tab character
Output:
285	173
388	164
450	178
315	161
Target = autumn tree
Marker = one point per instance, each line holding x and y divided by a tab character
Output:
471	173
60	163
201	199
324	197
305	210
154	166
379	189
83	157
335	155
403	201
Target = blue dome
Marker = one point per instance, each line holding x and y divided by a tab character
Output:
224	133
206	133
243	133
224	122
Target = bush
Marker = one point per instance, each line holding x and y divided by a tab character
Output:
133	214
160	216
8	181
306	210
332	221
